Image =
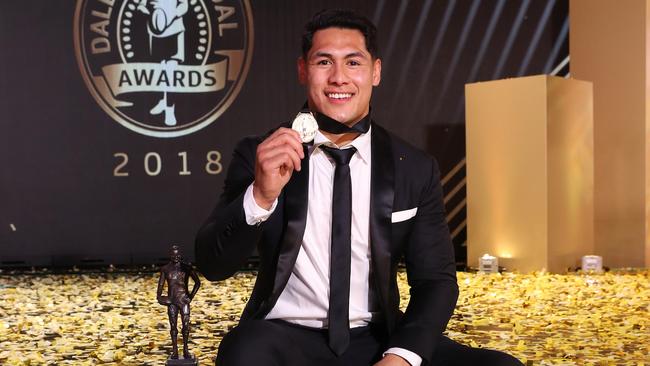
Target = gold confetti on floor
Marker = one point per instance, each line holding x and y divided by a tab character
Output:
114	319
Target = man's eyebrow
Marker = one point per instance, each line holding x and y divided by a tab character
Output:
322	54
356	54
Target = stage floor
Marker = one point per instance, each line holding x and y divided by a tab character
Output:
111	318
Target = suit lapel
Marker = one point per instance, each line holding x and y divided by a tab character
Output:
295	211
381	207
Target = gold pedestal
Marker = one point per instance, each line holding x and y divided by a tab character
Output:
609	47
530	172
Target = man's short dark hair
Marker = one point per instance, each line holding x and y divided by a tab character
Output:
340	18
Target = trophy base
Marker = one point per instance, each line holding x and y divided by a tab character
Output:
182	361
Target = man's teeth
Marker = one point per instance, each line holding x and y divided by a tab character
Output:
339	95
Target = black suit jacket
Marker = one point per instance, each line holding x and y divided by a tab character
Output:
402	178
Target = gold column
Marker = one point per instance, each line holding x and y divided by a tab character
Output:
530	172
608	42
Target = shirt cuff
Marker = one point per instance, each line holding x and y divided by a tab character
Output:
255	214
409	356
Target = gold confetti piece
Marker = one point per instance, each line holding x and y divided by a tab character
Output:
480	322
521	346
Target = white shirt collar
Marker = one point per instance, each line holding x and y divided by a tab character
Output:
361	143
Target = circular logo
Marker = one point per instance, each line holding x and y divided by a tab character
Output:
164	68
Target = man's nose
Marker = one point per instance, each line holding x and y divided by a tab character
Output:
338	75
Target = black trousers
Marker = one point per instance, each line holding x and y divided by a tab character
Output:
278	343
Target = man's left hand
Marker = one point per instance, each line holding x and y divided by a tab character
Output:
392	360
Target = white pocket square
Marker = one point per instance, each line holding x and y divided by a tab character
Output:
400	216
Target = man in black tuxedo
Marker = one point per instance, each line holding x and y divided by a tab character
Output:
331	219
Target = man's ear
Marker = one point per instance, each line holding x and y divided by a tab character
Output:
302	70
376	72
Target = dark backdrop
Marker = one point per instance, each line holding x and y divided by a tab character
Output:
61	203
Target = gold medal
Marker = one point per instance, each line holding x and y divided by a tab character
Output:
305	124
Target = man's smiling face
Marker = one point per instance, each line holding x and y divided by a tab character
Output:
339	74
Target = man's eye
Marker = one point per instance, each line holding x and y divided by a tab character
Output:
354	63
323	62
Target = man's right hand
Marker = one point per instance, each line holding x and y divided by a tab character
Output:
275	161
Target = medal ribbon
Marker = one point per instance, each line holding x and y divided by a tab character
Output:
333	126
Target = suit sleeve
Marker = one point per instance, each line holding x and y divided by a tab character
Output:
431	272
225	241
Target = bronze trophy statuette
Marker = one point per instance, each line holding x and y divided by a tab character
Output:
177	274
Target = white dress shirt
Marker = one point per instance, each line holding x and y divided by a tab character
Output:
305	299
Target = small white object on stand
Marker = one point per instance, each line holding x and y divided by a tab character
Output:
592	263
488	264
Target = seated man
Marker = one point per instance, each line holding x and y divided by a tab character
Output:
331	218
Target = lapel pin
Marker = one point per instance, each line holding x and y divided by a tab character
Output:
305	124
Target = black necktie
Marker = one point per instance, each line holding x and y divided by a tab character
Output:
338	317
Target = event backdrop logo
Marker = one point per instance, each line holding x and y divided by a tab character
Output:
164	68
